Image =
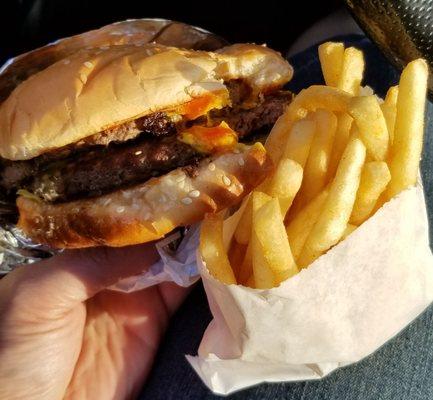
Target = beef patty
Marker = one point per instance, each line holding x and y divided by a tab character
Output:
127	154
105	169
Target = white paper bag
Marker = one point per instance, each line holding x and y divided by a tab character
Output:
342	308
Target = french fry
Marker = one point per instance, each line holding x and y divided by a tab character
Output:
271	234
251	282
409	127
213	251
349	229
354	133
236	255
264	278
365	91
316	168
299	141
246	268
389	109
301	225
258	199
372	127
374	179
276	141
310	99
332	222
351	71
331	55
342	134
315	97
243	229
285	183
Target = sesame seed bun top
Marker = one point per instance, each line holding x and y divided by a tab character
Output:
95	89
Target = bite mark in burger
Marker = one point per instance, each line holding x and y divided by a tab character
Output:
121	146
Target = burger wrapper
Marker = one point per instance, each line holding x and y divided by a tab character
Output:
340	309
177	266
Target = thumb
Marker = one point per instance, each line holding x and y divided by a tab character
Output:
75	275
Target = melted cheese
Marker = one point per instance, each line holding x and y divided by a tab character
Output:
203	104
210	139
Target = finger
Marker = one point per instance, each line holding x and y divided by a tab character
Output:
76	275
172	295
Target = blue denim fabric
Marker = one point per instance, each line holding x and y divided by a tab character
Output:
401	370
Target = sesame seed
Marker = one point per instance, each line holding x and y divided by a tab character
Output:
83	78
120	209
236	151
241	162
227	180
66	62
138	45
89	48
137	153
107	202
104	47
186	200
88	64
211	166
135	206
143	189
194	193
181	177
162	199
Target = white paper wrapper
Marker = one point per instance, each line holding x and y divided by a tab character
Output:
179	267
342	308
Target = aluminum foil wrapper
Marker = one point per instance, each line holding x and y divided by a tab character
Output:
177	251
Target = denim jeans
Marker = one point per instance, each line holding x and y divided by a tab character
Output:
402	369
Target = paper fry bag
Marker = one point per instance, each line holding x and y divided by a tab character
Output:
339	310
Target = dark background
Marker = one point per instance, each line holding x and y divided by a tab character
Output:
27	24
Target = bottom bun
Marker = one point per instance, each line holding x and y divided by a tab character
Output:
147	211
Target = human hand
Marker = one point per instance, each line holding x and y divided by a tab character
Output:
63	335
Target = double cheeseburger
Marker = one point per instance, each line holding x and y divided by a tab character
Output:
120	145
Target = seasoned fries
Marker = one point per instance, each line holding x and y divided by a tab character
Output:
389	109
371	124
374	179
344	123
264	278
332	221
316	168
352	71
340	153
243	230
299	142
300	227
331	57
349	229
311	99
212	249
270	232
285	183
409	127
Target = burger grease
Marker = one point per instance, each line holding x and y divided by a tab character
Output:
120	145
